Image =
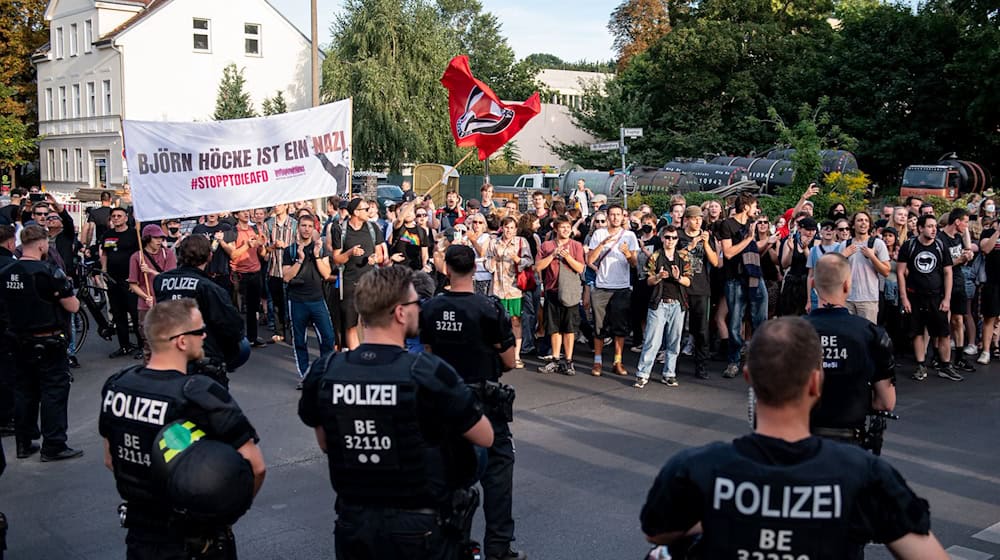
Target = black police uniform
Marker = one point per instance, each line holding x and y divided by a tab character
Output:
6	360
761	497
857	354
37	330
394	423
225	326
136	404
463	329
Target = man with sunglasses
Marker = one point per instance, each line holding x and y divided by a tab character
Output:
137	404
356	247
117	246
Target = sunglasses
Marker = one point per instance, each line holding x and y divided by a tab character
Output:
39	213
421	214
843	229
600	221
763	222
196	332
670	238
417	302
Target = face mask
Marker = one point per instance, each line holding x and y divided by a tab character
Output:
990	207
646	229
173	230
635	225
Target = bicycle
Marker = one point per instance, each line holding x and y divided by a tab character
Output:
94	297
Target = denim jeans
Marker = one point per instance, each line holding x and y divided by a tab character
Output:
301	314
665	323
529	318
737	300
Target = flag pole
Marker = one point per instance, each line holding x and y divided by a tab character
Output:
430	190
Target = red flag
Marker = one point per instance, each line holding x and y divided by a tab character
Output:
478	117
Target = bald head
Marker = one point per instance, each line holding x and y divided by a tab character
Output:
831	273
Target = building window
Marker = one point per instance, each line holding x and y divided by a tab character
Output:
202	35
52	165
106	85
59	42
79	164
65	164
91	100
73	38
88	36
76	100
62	102
48	104
251	39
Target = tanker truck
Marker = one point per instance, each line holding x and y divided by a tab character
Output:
950	178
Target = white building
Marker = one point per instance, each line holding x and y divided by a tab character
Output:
162	60
555	123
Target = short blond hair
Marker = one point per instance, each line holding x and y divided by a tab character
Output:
379	291
166	319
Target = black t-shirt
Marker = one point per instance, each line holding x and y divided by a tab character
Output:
408	242
100	217
307	285
118	246
700	267
955	245
219	263
670	288
356	266
735	232
827	498
462	329
992	258
925	265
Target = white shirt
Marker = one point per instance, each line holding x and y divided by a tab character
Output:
581	198
613	271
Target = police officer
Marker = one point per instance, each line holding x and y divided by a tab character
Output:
226	347
39	299
137	404
858	363
473	334
781	492
397	429
6	362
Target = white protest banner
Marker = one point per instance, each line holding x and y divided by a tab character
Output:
190	169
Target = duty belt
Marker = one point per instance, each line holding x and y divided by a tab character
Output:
852	434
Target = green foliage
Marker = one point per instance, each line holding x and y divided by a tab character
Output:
274	105
16	140
545	60
233	101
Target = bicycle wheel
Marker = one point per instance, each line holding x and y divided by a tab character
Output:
81	322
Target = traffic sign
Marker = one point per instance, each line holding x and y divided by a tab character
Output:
604	147
632	132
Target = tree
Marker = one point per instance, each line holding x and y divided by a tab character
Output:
388	55
233	101
16	140
22	32
636	24
274	105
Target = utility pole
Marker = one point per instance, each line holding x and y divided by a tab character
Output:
622	149
314	39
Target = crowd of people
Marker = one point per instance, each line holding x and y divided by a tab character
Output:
570	270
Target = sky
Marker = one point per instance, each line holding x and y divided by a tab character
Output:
570	29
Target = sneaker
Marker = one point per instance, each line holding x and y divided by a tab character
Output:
971	350
551	367
569	369
509	554
73	362
68	453
688	348
670	381
608	340
964	365
984	358
298	386
122	351
619	368
732	370
641	382
921	372
935	363
701	373
661	356
996	353
635	349
947	371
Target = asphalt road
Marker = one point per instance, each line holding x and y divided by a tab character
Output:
587	451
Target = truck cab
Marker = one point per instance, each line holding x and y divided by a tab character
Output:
930	180
525	186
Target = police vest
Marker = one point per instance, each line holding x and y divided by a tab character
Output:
134	408
849	346
754	510
377	453
176	284
454	326
29	310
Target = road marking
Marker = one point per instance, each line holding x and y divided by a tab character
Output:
962	553
989	534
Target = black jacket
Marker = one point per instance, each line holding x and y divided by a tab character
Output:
225	326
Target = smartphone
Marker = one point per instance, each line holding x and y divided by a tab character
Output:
36	197
456	237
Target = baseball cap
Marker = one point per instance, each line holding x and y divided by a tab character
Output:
153	230
692	211
807	223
